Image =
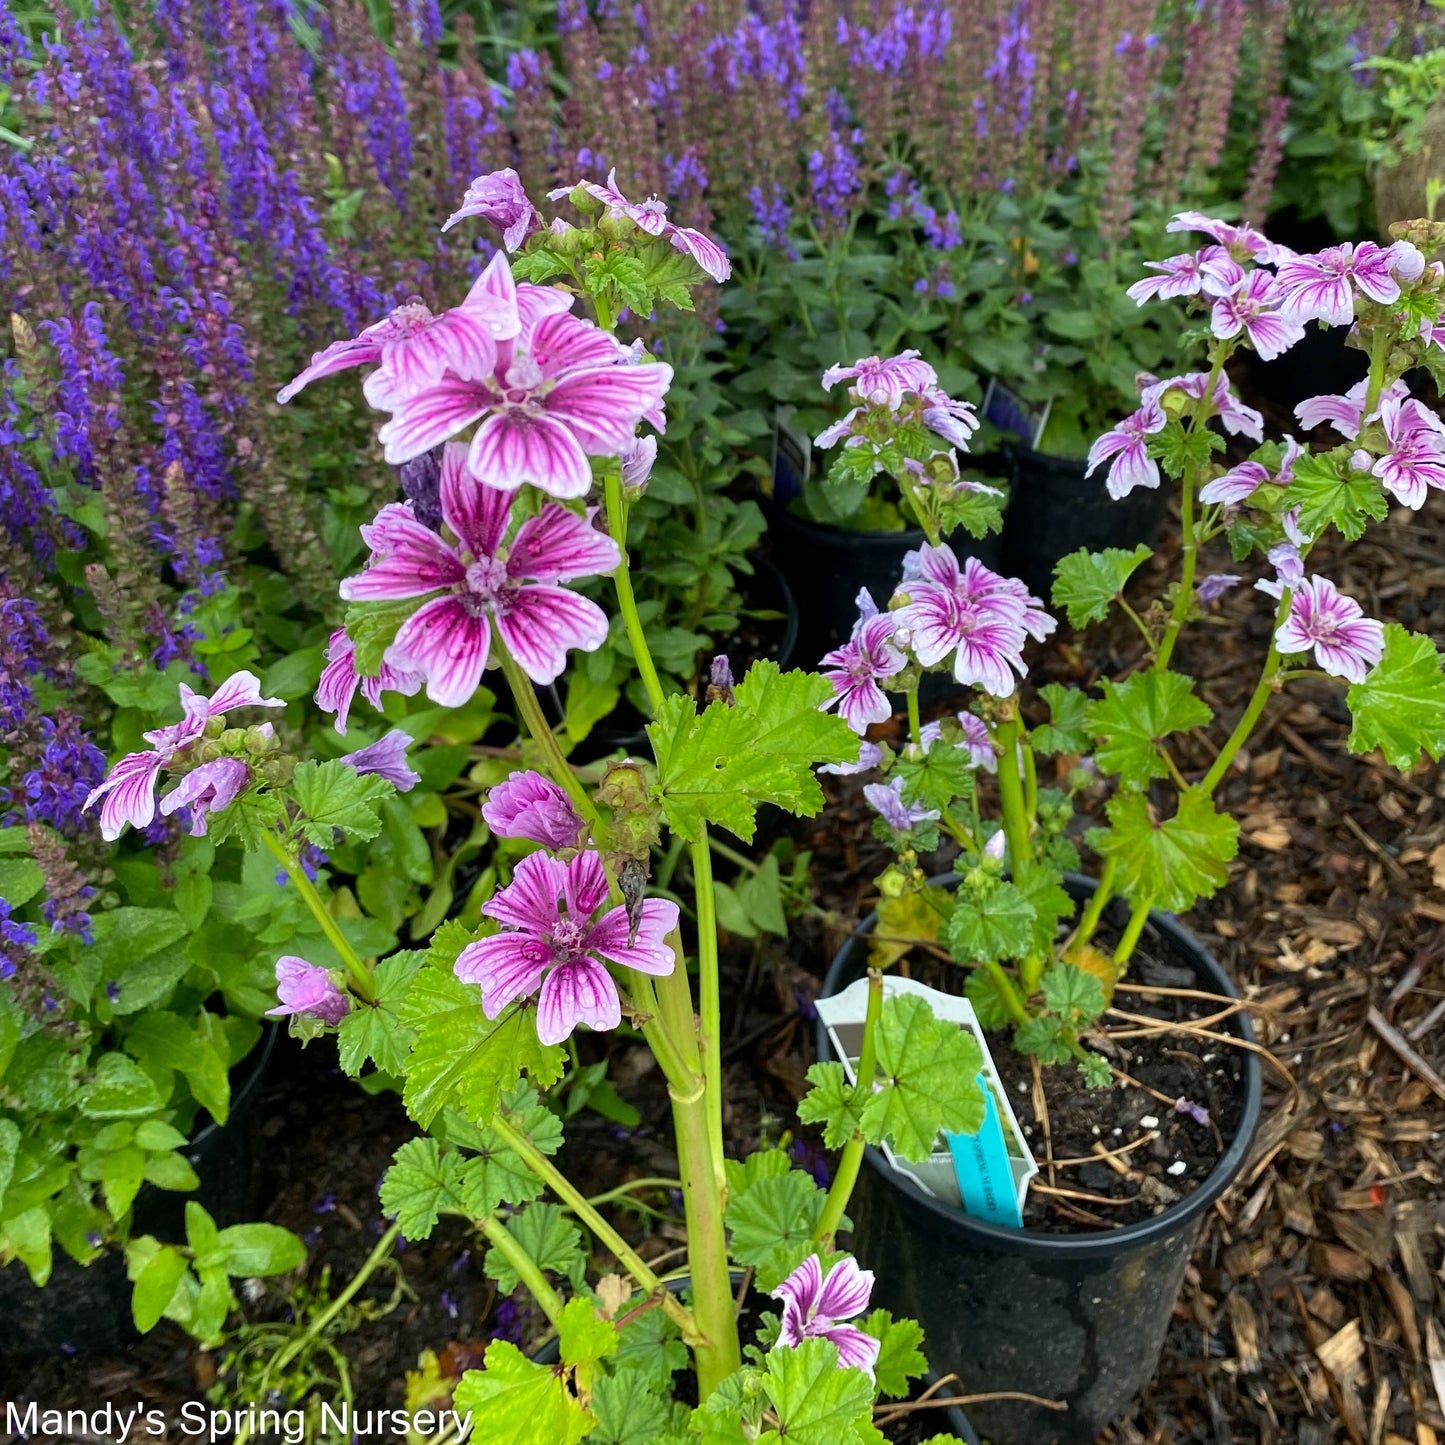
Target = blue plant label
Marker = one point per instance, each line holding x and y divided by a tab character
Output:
792	458
1008	411
985	1173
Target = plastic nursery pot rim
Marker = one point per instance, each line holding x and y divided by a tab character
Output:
1100	1243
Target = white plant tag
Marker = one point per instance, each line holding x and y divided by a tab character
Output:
986	1175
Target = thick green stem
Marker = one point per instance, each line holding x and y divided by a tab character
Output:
362	983
920	508
1137	919
709	1002
1379	354
626	601
576	1201
915	728
841	1190
1031	777
525	696
1012	1000
1011	795
1253	708
1090	921
524	1267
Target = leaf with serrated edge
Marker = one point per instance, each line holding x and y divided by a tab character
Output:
1172	863
1086	583
1065	731
831	1102
1400	706
333	795
423	1181
817	1400
999	925
772	1224
899	1357
515	1402
1133	717
552	1240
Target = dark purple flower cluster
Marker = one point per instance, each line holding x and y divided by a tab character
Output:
70	766
16	942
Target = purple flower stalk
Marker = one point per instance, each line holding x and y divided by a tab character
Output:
1345	642
816	1306
855	670
530	806
386	758
303	988
551	941
1127	444
484	585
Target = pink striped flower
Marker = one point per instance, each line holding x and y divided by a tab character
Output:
1242	242
651	216
210	788
883	380
304	988
975	739
1240	483
1212	271
1346	413
1416	459
1289	569
1346	643
386	758
530	806
1322	286
1237	418
971	612
499	197
484	585
816	1306
556	392
129	790
1253	308
855	670
337	689
1127	444
551	940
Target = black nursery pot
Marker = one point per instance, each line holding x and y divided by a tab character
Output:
1079	1318
952	1415
1055	510
85	1309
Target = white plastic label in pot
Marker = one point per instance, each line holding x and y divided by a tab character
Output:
985	1174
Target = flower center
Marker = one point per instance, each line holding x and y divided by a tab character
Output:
569	935
486	581
412	316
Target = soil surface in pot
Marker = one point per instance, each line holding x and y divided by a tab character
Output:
1077	1192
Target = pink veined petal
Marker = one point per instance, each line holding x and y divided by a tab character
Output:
564	343
1133	467
448	644
417	562
430	417
704	250
648	952
802	1287
1407	485
536	302
508	966
932	621
855	1349
584	885
604	404
1291	637
979	664
361	350
540	624
859	702
392	678
1236	484
207	789
1328	299
531	900
241	689
578	992
558	546
846	1291
512	447
1340	660
476	512
939	564
459	340
389	528
1108	445
337	686
494	311
128	793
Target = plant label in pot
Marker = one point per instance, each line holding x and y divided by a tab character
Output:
987	1174
1008	411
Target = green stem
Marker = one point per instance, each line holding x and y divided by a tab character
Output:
1090	921
633	1186
841	1190
1137	919
1011	795
576	1201
1031	776
524	1267
709	996
1379	353
1018	1010
626	601
915	729
357	972
732	855
525	696
920	509
1246	724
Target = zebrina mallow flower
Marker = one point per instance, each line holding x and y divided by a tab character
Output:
816	1307
1253	307
303	988
1132	466
386	758
412	348
550	939
975	739
1346	643
210	788
868	657
1416	459
883	380
1240	483
500	197
1289	569
339	682
556	392
1211	270
971	612
651	216
869	756
1346	413
1234	416
129	790
484	585
1242	242
1322	286
530	806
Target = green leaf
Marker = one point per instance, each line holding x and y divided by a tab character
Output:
721	765
583	1338
1400	706
463	1059
515	1402
1065	731
899	1358
1329	492
1086	583
374	1032
120	1089
422	1181
649	1345
20	880
334	796
929	1079
772	1224
1178	448
372	627
550	1237
1042	1038
1171	863
135	947
1133	717
817	1400
9	1146
1076	996
942	774
998	925
155	1286
260	1249
628	1410
27	1237
832	1102
1042	886
982	991
122	1171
